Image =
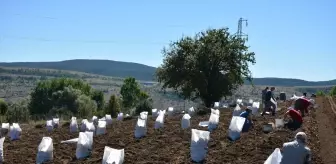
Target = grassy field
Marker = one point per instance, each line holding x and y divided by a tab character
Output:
17	83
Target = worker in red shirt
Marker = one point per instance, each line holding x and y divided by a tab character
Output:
295	121
302	104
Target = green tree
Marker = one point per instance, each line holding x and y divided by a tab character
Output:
130	92
43	95
113	106
98	96
3	107
86	106
144	105
208	66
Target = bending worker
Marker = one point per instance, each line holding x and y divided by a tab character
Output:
301	104
248	121
296	152
295	121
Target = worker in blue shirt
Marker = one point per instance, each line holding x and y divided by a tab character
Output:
248	121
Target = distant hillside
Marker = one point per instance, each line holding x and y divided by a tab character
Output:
143	72
272	81
100	67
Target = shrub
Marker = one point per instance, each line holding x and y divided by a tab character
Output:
145	105
113	106
18	112
85	106
3	107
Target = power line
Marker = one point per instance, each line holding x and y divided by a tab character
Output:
77	41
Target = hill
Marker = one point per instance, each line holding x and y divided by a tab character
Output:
100	67
142	72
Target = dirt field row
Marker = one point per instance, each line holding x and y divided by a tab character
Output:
172	145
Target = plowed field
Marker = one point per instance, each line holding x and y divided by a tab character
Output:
171	145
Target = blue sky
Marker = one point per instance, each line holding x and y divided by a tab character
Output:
292	39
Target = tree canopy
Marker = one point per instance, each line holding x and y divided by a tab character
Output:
130	92
209	65
63	95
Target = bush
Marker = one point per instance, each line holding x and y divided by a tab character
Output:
145	105
320	93
113	106
85	106
18	112
53	93
3	107
333	91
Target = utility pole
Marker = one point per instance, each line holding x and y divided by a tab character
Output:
239	32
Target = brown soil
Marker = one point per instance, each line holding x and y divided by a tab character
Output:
172	145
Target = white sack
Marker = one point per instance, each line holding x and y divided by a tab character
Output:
14	131
185	122
102	119
275	103
279	123
213	121
237	111
170	111
216	105
101	128
73	118
159	122
55	122
140	128
255	108
4	129
84	144
120	116
113	156
250	102
191	111
83	125
108	119
73	126
236	126
215	111
1	149
199	144
49	125
143	115
94	119
274	158
89	126
5	126
155	113
74	140
239	101
45	150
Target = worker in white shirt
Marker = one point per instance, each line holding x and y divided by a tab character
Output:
296	152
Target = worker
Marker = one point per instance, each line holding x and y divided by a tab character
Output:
269	97
248	121
263	94
297	151
301	104
295	120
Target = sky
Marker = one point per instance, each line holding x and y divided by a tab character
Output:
291	39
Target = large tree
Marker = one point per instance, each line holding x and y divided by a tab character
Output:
209	65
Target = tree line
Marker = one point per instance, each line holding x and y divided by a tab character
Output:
65	97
